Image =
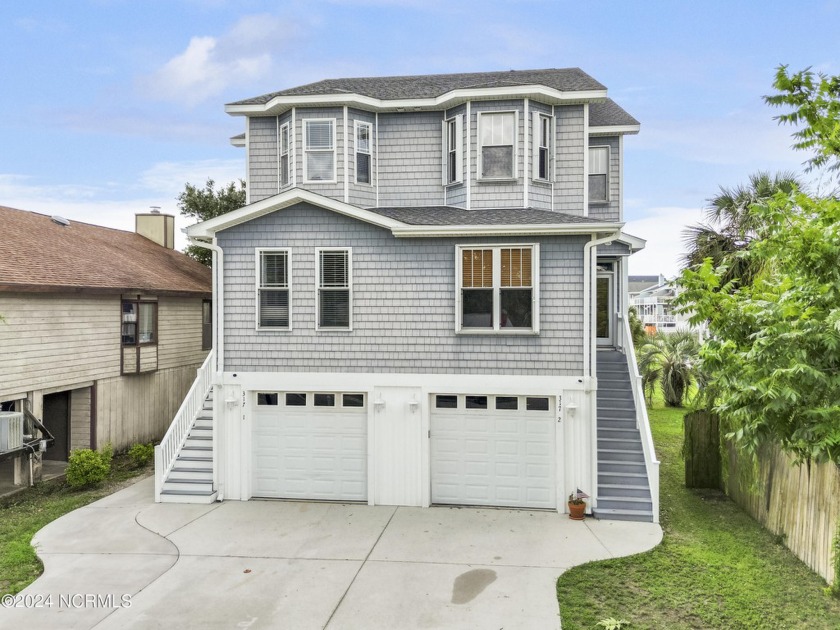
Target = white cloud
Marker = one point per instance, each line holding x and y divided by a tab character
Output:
209	65
662	228
169	177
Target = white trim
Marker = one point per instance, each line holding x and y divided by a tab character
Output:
258	252
345	142
376	149
496	263
247	160
293	147
357	124
443	101
502	230
586	159
277	145
614	130
525	157
318	287
468	148
607	173
334	179
514	147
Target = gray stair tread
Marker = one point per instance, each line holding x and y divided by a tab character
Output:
193	458
617	450
613	486
197	448
190	469
199	437
623	511
204	493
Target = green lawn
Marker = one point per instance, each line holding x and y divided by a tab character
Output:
23	514
715	568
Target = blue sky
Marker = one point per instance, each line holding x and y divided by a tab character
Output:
110	106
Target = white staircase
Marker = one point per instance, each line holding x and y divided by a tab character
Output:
184	458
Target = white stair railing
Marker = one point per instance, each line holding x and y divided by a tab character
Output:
642	420
167	451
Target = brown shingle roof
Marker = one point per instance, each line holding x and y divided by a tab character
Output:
38	254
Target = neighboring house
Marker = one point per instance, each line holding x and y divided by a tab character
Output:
420	300
653	297
102	333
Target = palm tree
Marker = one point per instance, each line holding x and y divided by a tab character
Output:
672	358
730	227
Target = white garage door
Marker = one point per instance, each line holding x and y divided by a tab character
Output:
310	446
493	450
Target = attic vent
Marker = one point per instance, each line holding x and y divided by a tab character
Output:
60	220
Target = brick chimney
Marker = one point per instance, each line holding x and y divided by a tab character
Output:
156	227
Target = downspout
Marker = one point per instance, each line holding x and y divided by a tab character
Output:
218	347
589	344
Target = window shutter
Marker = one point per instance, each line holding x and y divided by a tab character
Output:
459	148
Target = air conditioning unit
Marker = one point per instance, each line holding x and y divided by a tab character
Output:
11	430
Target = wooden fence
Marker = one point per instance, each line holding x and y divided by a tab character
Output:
702	450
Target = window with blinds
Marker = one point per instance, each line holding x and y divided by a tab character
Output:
497	288
274	289
319	141
599	158
363	134
334	289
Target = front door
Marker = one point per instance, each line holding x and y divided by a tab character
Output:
397	446
57	421
605	309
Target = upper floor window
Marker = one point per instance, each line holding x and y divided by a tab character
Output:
497	145
273	289
334	289
599	159
452	134
363	134
139	322
497	288
284	163
319	141
542	146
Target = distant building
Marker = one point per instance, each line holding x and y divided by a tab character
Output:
652	297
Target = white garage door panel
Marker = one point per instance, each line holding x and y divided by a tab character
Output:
492	457
306	453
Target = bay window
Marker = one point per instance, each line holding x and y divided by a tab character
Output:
363	135
599	158
497	140
319	149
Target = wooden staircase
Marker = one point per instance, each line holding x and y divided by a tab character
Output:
623	485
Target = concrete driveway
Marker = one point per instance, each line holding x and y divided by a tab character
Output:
126	562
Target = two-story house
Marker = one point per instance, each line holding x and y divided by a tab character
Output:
101	334
411	306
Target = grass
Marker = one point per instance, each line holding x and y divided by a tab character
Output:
716	566
24	513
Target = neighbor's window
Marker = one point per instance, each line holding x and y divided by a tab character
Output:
319	140
273	289
334	289
497	288
452	134
599	158
363	134
542	135
497	137
139	322
284	163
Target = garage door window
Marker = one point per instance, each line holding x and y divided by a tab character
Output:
476	402
267	400
536	404
446	402
325	400
507	402
353	400
296	400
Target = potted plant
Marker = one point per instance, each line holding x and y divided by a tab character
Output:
577	505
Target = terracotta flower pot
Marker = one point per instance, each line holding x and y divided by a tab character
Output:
576	511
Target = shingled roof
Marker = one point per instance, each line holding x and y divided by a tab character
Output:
449	215
609	114
434	85
39	254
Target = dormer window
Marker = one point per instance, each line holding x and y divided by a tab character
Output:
319	140
497	140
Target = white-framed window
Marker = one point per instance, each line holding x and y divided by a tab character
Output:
599	168
319	150
334	290
498	288
284	163
497	145
363	153
542	147
453	133
274	289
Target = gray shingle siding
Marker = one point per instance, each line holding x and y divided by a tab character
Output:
410	154
610	211
489	194
568	187
262	156
403	304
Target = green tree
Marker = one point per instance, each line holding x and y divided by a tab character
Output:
207	203
637	328
773	354
670	358
730	227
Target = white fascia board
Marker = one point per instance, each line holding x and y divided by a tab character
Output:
439	102
614	130
636	244
534	229
283	200
238	141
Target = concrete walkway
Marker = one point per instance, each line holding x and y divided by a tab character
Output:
127	562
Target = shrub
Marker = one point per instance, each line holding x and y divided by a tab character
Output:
87	468
141	454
